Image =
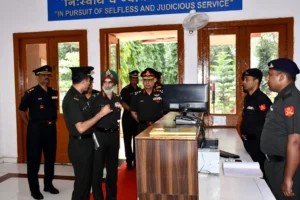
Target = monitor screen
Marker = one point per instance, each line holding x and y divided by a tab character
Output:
185	97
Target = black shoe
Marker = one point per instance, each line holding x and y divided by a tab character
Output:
52	190
37	195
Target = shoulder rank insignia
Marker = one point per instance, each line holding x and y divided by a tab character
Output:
137	92
30	90
96	94
289	111
262	107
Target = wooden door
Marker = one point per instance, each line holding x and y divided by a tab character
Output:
60	51
114	58
221	58
256	43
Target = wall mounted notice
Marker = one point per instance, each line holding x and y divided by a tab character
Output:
86	9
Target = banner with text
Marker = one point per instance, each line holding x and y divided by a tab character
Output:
85	9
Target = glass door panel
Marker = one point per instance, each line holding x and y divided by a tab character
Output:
68	56
264	47
36	56
222	74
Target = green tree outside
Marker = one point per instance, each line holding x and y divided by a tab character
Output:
137	56
223	73
264	49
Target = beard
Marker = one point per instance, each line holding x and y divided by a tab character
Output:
108	90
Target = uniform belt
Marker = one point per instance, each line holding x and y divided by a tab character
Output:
81	137
43	121
273	158
107	130
249	137
149	123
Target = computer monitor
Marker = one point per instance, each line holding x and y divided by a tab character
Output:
185	98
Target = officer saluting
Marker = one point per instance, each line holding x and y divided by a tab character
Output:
129	124
256	106
280	139
79	119
107	134
41	101
146	106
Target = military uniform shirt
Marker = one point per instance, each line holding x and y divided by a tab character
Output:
128	92
282	120
42	105
98	101
76	109
255	110
148	107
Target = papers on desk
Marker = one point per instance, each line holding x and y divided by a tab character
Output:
182	131
244	169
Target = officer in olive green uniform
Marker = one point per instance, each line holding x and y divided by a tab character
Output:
256	106
129	124
79	119
41	101
107	134
146	106
280	139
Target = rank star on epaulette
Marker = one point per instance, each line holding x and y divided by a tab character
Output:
30	90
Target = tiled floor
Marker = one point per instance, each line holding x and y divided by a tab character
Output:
16	188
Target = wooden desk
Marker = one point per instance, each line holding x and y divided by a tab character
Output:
166	170
166	166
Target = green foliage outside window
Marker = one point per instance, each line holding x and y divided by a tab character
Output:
223	74
137	56
264	50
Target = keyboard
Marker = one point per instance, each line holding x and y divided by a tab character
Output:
226	154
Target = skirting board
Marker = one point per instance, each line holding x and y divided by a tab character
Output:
8	160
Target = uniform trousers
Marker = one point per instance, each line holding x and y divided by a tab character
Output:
107	153
129	133
141	127
41	136
275	174
252	146
81	154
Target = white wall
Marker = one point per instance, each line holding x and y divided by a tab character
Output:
31	16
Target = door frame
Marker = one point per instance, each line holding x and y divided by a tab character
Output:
244	26
19	75
180	42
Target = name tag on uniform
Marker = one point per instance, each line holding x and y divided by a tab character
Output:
54	97
250	108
